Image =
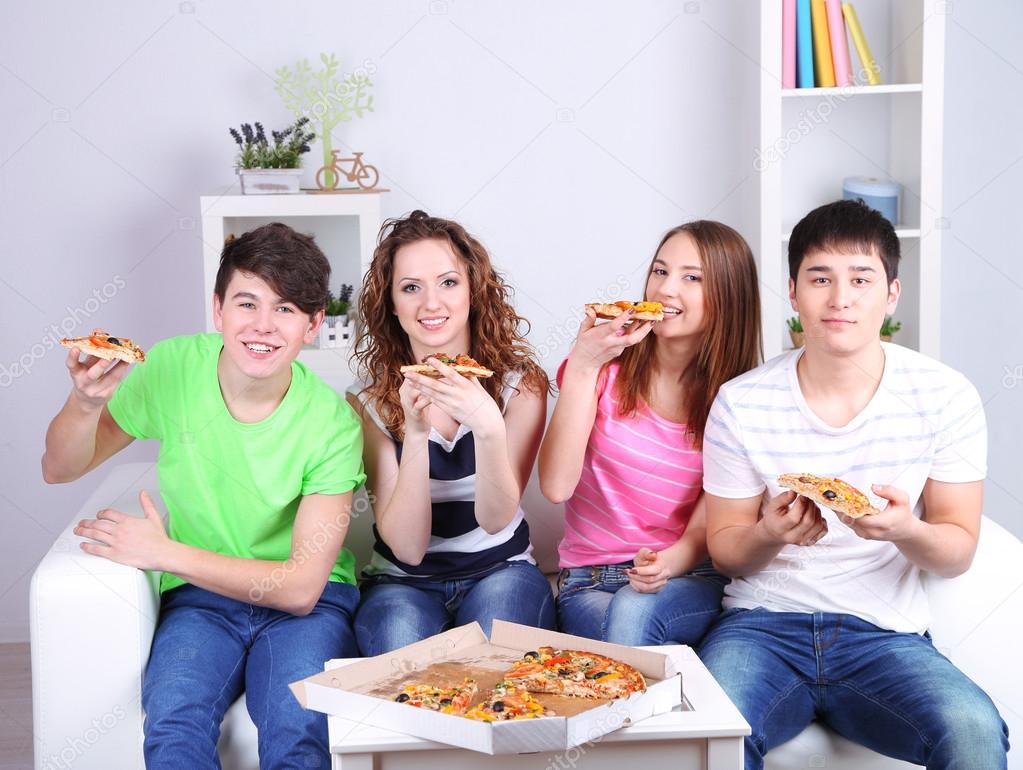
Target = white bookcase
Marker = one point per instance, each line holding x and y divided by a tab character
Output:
345	227
812	138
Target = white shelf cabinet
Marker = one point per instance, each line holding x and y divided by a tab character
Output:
345	227
812	138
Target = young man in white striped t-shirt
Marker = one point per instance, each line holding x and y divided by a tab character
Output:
826	616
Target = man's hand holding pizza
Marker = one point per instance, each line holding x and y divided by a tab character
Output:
894	523
94	380
791	519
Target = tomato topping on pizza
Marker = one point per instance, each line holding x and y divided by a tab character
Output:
838	495
102	345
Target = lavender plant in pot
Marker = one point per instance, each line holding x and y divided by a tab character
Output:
266	168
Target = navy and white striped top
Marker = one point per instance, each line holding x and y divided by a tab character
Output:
458	547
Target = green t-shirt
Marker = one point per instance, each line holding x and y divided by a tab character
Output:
230	487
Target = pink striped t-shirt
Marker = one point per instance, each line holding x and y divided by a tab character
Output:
640	481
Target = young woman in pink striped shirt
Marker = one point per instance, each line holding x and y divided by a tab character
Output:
624	447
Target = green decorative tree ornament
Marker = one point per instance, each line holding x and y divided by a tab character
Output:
325	99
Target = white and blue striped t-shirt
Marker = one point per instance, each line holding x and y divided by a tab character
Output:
926	421
459	547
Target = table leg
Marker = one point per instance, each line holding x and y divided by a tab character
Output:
724	753
352	761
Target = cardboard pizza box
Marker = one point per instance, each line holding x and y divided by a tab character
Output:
364	691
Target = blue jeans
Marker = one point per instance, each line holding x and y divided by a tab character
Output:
598	603
208	649
396	611
891	692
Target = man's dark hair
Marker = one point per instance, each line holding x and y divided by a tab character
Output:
846	227
291	264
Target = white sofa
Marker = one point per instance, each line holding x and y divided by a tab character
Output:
92	623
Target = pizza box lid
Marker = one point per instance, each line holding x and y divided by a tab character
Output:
355	691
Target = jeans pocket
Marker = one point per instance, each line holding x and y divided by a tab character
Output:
574	579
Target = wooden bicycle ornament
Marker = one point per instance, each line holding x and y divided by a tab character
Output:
359	172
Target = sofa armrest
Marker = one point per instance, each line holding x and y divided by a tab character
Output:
92	624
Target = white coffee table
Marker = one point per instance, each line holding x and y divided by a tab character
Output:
705	734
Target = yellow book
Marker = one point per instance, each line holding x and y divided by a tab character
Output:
823	67
867	62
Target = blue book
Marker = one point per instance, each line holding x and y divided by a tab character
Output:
804	45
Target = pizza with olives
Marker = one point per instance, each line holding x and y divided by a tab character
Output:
575	673
835	494
102	345
447	700
508	701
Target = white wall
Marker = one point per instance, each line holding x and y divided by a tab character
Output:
568	136
982	270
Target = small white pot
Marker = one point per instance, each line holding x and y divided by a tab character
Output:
270	181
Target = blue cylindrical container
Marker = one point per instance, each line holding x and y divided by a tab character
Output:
879	194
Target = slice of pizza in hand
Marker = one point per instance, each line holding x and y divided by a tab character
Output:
447	700
508	701
829	493
102	345
645	311
463	364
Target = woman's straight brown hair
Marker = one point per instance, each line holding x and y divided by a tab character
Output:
730	342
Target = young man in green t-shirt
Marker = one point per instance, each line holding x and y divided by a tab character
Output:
258	463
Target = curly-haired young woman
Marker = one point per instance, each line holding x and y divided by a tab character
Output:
447	458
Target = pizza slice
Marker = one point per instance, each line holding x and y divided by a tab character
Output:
508	701
645	311
463	364
829	493
447	700
102	345
575	673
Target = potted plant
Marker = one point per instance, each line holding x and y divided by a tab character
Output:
335	323
267	168
889	327
337	307
795	331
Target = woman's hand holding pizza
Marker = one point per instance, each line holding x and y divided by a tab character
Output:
596	345
416	406
896	522
131	540
94	379
649	574
791	519
463	399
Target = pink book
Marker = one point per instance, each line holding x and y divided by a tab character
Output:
788	43
839	46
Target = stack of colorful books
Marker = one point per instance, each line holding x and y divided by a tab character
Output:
815	52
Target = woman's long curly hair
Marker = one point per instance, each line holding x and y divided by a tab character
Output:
730	342
496	331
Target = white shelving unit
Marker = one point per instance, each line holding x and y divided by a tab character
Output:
812	138
345	227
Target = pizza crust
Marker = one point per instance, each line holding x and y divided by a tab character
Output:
102	345
834	494
609	310
465	371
